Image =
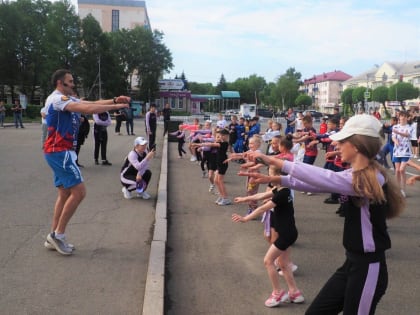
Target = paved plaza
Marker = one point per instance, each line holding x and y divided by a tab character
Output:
213	266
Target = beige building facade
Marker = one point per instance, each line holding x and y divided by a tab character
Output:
114	15
387	74
325	89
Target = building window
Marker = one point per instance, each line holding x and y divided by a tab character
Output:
115	25
180	103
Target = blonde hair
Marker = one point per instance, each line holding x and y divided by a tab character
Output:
257	139
365	182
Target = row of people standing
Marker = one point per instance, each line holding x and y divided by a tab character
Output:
17	110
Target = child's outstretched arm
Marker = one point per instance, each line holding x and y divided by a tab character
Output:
259	196
254	214
412	179
412	164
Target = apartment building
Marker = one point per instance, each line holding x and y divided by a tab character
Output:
114	15
325	89
387	74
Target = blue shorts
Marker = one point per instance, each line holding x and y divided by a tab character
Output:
66	172
400	159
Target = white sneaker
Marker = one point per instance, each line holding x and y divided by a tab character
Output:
224	202
292	265
145	195
193	159
127	194
309	193
211	188
218	200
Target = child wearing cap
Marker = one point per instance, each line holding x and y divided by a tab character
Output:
135	172
370	196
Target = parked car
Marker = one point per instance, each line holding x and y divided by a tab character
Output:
314	113
262	112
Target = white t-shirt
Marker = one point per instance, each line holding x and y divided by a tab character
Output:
403	149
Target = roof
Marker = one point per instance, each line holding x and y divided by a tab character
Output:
205	97
329	76
230	94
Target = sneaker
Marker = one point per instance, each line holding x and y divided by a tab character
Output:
276	299
292	265
296	297
49	246
224	202
211	188
218	200
59	245
204	174
127	193
145	195
106	162
193	159
309	193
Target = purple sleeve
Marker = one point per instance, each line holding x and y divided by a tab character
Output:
142	166
306	177
101	122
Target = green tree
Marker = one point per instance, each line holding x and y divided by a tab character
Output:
347	100
89	59
358	95
380	94
287	87
303	101
267	97
201	88
9	26
222	85
402	91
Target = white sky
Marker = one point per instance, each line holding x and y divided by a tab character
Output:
240	37
266	37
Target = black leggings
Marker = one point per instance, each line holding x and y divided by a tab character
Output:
101	139
355	288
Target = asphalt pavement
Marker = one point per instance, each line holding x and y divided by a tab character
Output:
213	266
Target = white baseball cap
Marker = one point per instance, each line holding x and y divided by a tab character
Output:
140	140
364	124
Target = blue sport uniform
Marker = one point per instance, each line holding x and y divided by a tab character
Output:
59	147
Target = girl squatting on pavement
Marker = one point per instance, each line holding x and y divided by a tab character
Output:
371	197
135	173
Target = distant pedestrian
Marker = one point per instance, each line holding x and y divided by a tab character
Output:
129	120
2	113
290	121
84	130
100	134
17	114
401	134
166	118
151	125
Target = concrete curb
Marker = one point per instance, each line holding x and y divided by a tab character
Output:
154	293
